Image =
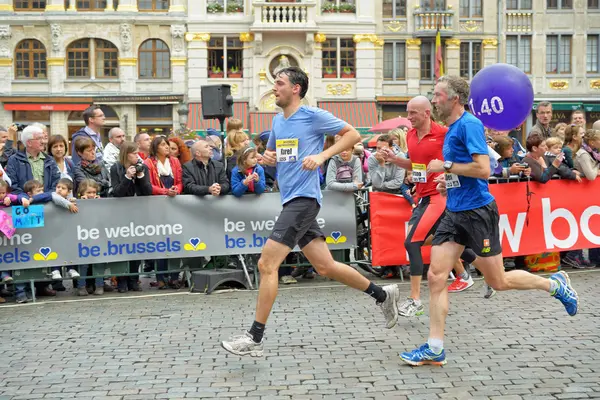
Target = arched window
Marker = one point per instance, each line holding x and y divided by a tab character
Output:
153	5
30	60
29	5
87	58
154	60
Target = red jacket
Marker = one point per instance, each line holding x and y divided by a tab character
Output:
157	186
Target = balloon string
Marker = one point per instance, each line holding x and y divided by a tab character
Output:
528	195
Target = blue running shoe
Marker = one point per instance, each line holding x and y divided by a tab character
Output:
565	292
423	355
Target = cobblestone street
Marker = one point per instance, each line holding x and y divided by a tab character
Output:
322	341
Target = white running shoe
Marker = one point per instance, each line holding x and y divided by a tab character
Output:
73	274
243	346
56	276
390	306
410	308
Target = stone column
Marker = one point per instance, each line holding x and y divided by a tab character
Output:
178	58
366	45
413	69
129	120
6	61
6	117
72	6
57	5
56	74
6	6
247	66
490	53
128	74
58	123
452	65
127	6
197	63
177	6
110	6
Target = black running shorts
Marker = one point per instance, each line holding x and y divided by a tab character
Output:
477	229
297	223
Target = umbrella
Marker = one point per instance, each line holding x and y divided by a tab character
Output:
389	124
370	142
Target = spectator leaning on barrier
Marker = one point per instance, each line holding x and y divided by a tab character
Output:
508	164
202	175
94	119
572	144
559	130
179	150
540	171
57	148
7	139
236	140
555	145
116	137
385	176
247	176
344	172
363	155
90	167
45	137
585	162
544	116
143	140
260	142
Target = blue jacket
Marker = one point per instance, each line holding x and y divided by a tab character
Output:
237	181
19	172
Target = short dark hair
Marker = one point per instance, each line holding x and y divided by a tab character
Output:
89	113
296	77
67	182
85	185
54	140
82	143
155	143
534	140
29	186
386	138
544	104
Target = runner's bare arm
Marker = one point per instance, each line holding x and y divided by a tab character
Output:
350	137
389	156
479	168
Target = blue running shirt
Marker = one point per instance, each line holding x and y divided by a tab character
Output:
465	138
299	136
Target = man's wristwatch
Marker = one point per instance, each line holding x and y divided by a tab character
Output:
447	165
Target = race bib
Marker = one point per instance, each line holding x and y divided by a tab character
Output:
419	173
452	181
287	150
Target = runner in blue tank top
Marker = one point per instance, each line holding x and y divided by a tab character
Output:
471	220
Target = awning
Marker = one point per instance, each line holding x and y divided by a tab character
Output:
359	114
563	106
197	123
591	107
45	107
261	121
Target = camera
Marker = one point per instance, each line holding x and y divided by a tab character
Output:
20	127
139	166
522	173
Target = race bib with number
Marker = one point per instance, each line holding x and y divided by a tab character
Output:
452	181
419	173
287	150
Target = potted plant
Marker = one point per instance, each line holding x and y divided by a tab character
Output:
215	72
347	8
234	7
329	73
347	72
234	72
329	8
214	8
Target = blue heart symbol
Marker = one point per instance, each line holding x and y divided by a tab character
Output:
336	235
194	241
45	251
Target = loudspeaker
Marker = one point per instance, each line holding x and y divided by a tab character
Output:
216	101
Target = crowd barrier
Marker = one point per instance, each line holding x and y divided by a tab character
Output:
534	218
157	227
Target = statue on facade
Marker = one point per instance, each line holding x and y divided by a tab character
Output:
125	37
284	62
56	34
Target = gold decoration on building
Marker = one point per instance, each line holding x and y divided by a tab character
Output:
320	37
595	84
6	7
413	44
177	8
368	37
199	37
55	61
339	89
128	62
490	43
559	84
246	36
471	26
5	62
178	61
268	104
395	26
234	88
453	43
55	7
262	74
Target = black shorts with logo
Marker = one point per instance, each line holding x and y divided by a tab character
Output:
477	229
297	223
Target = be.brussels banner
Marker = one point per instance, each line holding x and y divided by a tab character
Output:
557	216
156	227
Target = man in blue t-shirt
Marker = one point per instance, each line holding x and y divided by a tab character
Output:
471	220
296	147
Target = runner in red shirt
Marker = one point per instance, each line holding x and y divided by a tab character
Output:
425	142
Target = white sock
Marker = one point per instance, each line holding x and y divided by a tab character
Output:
436	345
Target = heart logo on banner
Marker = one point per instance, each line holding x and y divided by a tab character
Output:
336	235
194	241
45	251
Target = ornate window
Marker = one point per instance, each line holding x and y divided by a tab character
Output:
30	60
339	58
92	58
154	60
225	48
153	5
29	5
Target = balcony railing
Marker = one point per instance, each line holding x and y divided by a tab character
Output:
284	15
431	21
519	21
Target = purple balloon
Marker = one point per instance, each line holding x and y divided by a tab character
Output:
501	96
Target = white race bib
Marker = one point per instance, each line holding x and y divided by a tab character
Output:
419	173
452	181
287	150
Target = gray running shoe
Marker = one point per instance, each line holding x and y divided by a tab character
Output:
243	346
488	291
410	308
390	305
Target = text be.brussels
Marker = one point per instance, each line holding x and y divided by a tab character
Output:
115	249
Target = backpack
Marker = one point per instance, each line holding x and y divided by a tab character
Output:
345	170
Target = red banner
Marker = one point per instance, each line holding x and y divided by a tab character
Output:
45	107
562	216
